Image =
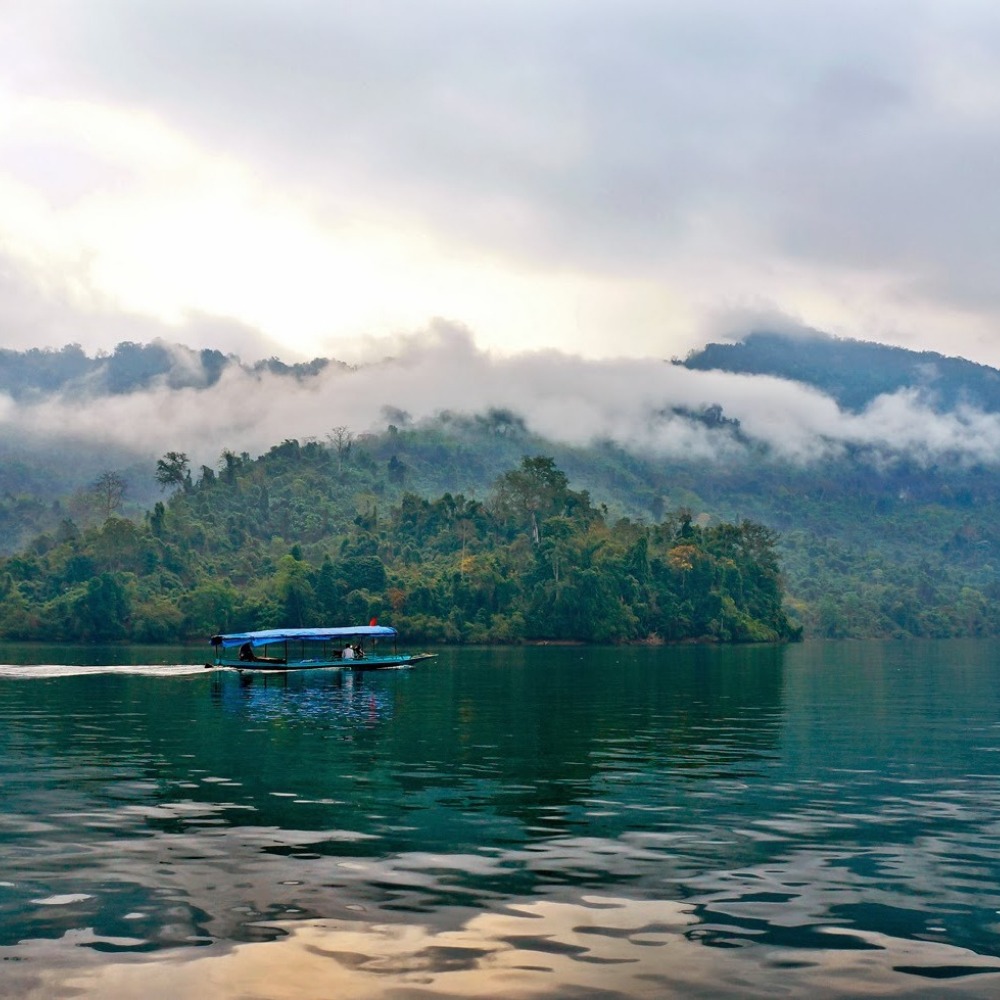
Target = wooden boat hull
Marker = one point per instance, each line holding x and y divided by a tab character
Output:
366	663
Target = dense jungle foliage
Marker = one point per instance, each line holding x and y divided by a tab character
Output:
286	540
865	550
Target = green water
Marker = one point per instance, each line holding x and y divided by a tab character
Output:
793	804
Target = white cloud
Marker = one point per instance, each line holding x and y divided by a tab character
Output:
599	178
635	402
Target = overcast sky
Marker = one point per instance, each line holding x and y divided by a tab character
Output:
627	178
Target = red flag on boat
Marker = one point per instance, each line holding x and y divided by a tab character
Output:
374	621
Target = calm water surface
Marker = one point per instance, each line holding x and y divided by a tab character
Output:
822	819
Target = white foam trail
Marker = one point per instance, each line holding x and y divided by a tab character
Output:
42	671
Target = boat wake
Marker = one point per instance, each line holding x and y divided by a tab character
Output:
41	671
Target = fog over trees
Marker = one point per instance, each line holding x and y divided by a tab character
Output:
876	466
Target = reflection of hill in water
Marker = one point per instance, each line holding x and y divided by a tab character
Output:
517	732
209	803
496	772
543	724
852	704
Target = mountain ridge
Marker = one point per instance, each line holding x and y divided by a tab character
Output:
854	372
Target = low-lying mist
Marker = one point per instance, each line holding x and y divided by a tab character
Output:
647	406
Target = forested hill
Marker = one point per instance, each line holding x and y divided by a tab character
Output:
855	372
863	551
287	540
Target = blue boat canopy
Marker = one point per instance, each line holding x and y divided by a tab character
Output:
315	634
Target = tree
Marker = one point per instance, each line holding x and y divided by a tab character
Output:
397	470
328	591
172	470
230	463
294	590
210	607
536	490
466	531
109	492
102	608
342	438
557	547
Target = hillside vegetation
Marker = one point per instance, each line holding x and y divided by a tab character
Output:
870	543
303	535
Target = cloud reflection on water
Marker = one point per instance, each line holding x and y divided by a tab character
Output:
590	946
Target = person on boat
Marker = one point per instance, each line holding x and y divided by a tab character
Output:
247	655
348	653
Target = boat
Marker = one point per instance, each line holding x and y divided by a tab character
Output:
353	647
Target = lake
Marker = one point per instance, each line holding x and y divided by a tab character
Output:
821	819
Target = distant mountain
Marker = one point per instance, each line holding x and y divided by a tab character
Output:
26	375
855	372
